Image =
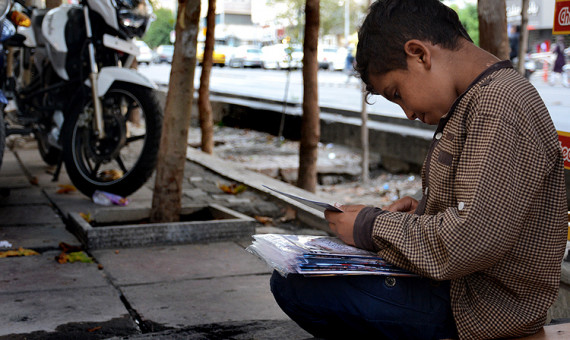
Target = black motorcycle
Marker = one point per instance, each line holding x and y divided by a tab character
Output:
67	79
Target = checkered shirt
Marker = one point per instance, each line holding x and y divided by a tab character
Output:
493	215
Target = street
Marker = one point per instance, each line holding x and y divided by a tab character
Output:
334	90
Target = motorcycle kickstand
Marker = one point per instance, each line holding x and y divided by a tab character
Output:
57	170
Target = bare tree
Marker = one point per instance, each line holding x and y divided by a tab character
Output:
310	128
204	105
493	27
523	39
172	152
53	3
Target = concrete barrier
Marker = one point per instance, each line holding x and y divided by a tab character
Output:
397	144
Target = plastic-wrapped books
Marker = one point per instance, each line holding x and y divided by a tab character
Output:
319	255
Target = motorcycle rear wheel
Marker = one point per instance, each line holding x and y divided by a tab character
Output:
123	161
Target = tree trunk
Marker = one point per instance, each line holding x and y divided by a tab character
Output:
53	3
523	38
204	105
310	128
35	3
493	35
173	143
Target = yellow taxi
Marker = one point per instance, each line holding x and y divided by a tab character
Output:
218	56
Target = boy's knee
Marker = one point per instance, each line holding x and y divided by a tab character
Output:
278	284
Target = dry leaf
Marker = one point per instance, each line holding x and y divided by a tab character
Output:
233	188
91	330
20	252
65	188
110	175
264	219
290	214
87	217
34	180
67	248
78	256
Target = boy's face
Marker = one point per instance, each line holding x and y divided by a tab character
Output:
423	93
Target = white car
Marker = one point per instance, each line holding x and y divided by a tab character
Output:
145	53
245	56
275	57
329	58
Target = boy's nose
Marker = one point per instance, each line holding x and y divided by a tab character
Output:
410	114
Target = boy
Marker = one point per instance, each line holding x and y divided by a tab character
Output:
488	236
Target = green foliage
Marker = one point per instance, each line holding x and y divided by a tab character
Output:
331	17
159	31
469	18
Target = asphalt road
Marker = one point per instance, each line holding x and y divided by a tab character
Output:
336	89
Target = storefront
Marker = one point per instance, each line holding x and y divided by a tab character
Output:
540	21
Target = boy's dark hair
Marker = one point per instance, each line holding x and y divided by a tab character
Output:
391	23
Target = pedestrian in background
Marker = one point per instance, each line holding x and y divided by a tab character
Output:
349	65
559	62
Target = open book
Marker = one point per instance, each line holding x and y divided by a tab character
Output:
319	255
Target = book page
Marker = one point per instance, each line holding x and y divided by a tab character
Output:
321	206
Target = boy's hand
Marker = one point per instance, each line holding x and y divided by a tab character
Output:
342	223
405	204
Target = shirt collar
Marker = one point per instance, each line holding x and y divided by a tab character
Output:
493	68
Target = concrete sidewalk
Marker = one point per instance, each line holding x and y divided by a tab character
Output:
197	291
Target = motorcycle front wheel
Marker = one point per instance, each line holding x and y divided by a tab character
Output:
125	158
2	136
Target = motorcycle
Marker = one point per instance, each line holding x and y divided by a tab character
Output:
67	78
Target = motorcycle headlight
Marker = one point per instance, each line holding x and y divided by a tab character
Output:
134	16
4	7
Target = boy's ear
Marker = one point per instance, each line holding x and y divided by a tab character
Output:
418	51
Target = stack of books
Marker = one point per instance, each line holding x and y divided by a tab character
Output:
319	255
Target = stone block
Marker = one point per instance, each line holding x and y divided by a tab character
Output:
126	228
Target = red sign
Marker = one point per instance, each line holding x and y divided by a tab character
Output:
564	139
561	17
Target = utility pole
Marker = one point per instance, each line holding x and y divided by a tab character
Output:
346	20
523	42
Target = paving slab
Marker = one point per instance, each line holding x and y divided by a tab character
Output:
40	214
31	311
10	165
171	263
258	329
43	273
38	237
76	202
14	181
39	273
195	302
24	196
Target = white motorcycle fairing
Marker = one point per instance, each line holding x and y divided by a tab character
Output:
27	32
108	75
107	11
53	30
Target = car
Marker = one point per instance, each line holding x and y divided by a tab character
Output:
164	53
332	58
245	56
339	60
145	53
276	56
219	55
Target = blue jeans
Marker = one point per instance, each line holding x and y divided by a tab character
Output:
366	306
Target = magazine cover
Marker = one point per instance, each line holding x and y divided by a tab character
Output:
319	255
